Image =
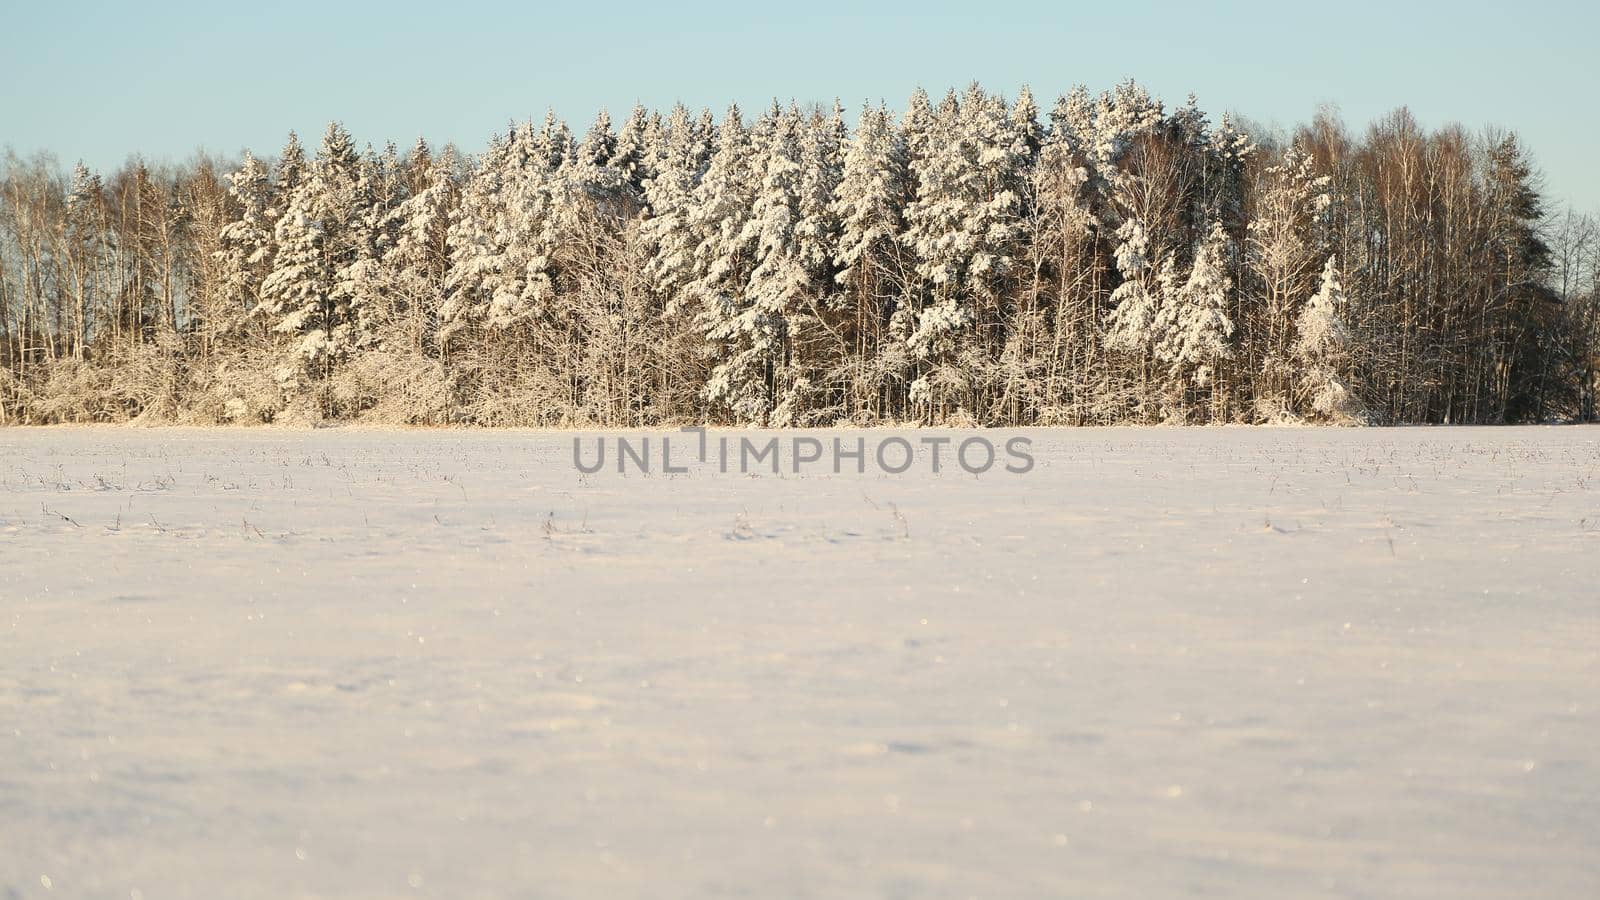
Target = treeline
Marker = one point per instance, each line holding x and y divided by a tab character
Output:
972	262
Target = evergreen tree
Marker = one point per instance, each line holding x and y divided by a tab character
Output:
320	234
245	255
738	336
1193	322
631	155
670	198
1322	348
1132	326
476	240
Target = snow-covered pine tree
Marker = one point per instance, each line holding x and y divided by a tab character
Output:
1229	151
358	283
590	171
525	227
422	220
476	242
1025	131
897	362
417	167
814	313
917	130
631	153
947	187
551	146
1321	351
869	205
738	337
294	293
1062	246
1017	338
965	227
670	200
389	186
318	235
599	144
1193	320
1131	326
780	282
415	265
1072	126
290	170
822	142
245	254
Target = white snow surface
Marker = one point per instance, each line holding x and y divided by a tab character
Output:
1273	663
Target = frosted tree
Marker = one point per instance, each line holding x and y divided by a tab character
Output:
738	335
1126	183
1062	244
1283	246
245	254
370	232
720	207
552	144
291	168
1322	349
411	278
525	220
504	235
1193	321
1072	126
868	205
632	154
919	129
670	201
1121	116
524	226
294	295
822	142
476	242
389	185
318	235
1025	133
778	279
1132	325
1190	124
1011	164
599	144
422	220
965	225
1229	151
946	186
395	288
590	172
869	201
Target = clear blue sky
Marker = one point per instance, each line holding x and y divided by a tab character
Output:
100	80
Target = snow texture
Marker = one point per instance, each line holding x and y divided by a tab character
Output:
1226	662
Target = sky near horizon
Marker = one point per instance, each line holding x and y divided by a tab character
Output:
101	80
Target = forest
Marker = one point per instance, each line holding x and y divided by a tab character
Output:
972	261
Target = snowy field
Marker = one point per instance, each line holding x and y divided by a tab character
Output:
1166	663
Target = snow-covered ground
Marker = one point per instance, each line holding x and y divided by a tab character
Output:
1211	662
